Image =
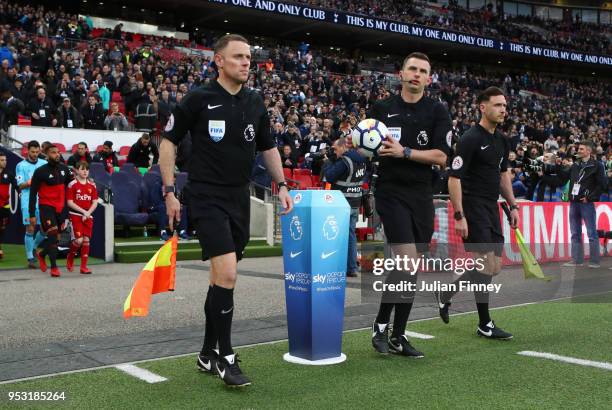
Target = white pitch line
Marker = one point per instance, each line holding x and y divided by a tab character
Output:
177	356
566	359
140	373
418	335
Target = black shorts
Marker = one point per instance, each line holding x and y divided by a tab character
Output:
406	220
5	215
484	226
221	216
50	218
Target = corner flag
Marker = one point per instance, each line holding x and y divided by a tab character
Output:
156	277
531	268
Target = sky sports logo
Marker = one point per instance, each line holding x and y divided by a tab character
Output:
298	278
329	278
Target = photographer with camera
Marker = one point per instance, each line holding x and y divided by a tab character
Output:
551	175
315	150
115	120
345	169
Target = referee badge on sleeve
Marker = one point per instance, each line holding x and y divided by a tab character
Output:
216	130
457	163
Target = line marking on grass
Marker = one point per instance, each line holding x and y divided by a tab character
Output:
418	335
140	373
567	359
270	342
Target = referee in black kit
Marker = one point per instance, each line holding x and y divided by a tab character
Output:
228	123
419	137
479	172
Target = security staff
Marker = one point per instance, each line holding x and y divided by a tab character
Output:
228	123
346	174
479	173
419	136
587	182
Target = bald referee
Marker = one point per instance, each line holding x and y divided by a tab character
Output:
228	124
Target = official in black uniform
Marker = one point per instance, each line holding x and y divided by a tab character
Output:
228	123
479	173
419	137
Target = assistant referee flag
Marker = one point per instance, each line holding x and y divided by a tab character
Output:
156	277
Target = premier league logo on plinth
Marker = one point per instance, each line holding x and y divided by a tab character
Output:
315	247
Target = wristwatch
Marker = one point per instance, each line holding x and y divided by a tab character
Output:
513	207
282	184
458	215
407	152
169	189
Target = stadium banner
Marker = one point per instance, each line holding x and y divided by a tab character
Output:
315	248
415	30
545	227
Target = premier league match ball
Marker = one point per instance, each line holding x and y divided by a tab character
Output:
368	136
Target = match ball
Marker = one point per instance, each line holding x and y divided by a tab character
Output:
368	136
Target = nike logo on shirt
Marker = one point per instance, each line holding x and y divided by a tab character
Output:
391	115
327	255
212	107
484	147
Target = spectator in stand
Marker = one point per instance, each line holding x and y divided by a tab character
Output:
107	156
165	107
42	110
81	154
93	116
115	120
143	153
104	96
10	108
288	158
68	116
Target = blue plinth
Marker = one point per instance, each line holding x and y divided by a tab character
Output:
315	247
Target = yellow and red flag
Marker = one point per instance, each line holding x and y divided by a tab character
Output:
156	277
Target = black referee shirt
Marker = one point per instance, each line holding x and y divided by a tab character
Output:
480	159
423	125
226	131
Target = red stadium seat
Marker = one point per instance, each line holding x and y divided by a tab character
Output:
22	120
316	180
303	181
99	148
288	173
61	147
302	171
74	148
24	149
125	150
116	96
121	161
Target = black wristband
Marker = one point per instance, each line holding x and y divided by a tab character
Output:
513	207
282	184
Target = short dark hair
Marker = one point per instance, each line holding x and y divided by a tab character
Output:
81	164
145	136
52	146
587	143
224	41
34	144
417	55
82	143
2	153
488	93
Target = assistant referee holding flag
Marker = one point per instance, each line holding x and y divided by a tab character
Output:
479	172
228	123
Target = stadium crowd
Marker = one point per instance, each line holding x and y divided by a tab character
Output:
109	85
